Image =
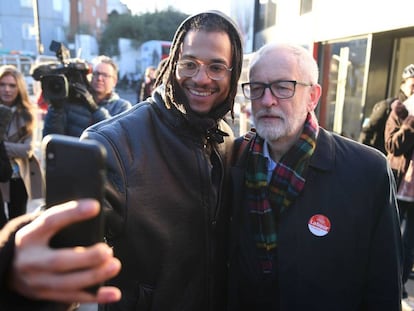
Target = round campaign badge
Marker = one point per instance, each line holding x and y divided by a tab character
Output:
319	225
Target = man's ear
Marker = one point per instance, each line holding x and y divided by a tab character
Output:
315	95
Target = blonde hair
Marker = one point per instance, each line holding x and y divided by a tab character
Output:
22	102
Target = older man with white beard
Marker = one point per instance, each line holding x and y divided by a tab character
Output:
315	224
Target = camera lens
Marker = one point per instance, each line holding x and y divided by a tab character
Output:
55	86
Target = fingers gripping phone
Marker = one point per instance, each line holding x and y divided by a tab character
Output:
75	169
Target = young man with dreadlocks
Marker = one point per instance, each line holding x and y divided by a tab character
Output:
168	158
316	223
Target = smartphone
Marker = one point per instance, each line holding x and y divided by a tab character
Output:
75	169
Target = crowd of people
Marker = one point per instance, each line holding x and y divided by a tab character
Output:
288	217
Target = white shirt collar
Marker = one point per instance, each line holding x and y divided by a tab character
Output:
271	165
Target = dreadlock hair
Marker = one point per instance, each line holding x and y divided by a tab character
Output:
209	21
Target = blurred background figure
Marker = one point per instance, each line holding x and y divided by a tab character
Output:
372	133
87	103
399	143
26	181
147	85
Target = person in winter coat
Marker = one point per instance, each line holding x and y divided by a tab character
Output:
168	157
146	87
92	104
399	143
167	211
315	223
19	132
372	133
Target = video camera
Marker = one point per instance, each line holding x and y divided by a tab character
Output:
57	78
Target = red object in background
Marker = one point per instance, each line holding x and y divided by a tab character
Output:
42	103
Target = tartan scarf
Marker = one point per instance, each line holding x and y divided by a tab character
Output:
266	201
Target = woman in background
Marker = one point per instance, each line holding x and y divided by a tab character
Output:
19	142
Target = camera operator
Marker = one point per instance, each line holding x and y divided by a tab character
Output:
72	116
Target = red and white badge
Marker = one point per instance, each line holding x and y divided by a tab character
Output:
319	225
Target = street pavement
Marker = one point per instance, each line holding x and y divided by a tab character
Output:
410	290
128	94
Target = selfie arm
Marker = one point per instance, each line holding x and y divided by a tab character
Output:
43	273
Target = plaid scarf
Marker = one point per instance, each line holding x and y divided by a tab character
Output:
265	202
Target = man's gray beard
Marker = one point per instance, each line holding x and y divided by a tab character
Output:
270	133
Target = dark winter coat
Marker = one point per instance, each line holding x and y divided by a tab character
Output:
165	217
372	133
73	118
356	265
399	139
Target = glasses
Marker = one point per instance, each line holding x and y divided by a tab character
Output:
215	71
280	89
104	75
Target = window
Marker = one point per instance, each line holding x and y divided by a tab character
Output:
265	14
404	56
57	5
26	3
305	6
28	32
60	33
344	86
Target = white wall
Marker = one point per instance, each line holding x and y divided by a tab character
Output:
128	57
331	19
87	46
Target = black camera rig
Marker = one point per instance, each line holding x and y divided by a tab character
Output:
57	78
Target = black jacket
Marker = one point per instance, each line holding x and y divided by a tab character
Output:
165	218
356	265
372	133
5	168
73	118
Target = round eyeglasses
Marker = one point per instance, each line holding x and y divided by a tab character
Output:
189	68
281	89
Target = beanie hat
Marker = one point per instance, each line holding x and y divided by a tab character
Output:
408	72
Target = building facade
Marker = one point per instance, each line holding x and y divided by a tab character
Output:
29	26
361	48
87	17
17	26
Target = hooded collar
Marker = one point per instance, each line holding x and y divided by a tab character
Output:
205	125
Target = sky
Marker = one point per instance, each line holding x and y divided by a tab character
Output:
185	6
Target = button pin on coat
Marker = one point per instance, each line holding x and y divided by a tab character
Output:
319	225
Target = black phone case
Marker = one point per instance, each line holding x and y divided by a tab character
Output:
74	170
